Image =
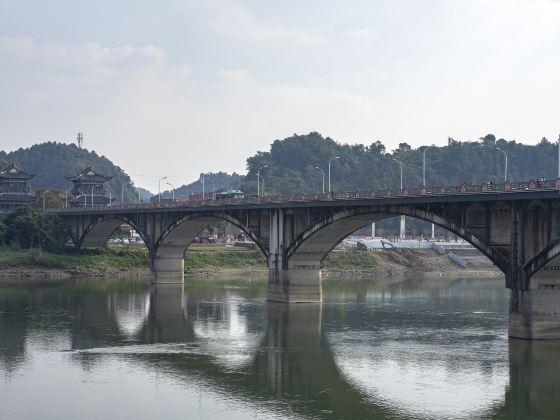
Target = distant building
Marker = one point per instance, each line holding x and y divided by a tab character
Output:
14	188
89	189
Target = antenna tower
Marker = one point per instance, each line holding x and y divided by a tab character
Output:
80	140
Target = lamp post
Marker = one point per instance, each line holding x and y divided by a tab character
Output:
122	193
505	169
159	188
424	181
323	172
424	166
334	158
202	179
259	179
400	163
110	197
403	220
172	189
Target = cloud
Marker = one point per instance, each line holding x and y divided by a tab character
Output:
236	21
234	75
152	116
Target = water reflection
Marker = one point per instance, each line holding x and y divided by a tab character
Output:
430	349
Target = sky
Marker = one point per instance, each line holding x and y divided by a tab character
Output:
180	87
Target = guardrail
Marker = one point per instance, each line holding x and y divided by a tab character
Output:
355	195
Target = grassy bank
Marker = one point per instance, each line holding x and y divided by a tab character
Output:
204	258
210	259
108	260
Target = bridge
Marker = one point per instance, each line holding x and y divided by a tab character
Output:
516	225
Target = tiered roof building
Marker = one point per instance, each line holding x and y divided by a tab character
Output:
14	188
89	189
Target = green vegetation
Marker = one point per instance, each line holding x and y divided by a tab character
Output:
124	258
52	162
350	258
27	227
220	258
292	164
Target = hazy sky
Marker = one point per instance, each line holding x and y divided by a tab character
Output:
182	87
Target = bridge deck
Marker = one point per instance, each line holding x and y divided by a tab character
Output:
463	193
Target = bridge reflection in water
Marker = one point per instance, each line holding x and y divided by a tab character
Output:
395	350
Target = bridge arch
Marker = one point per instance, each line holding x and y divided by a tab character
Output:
167	256
98	232
549	257
312	246
175	240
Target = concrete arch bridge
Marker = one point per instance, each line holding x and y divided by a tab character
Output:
516	225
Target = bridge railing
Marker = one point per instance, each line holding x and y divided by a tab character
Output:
465	188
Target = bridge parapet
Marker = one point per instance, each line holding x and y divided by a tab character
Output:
508	187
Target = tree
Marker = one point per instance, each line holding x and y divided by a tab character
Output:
488	140
29	227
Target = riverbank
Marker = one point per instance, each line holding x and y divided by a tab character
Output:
209	261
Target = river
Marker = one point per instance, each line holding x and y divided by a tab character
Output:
413	349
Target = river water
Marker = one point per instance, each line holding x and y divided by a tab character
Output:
99	349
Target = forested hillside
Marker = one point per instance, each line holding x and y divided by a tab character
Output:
291	164
52	162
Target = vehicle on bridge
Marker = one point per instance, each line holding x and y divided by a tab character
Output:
229	194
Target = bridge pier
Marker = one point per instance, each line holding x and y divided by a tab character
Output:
534	314
296	285
168	269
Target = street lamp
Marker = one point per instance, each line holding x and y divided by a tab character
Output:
323	172
259	179
424	166
172	190
202	178
122	193
400	163
334	158
424	181
159	188
505	169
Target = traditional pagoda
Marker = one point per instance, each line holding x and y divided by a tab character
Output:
89	189
14	188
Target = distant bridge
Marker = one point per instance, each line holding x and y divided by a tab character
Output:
516	225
